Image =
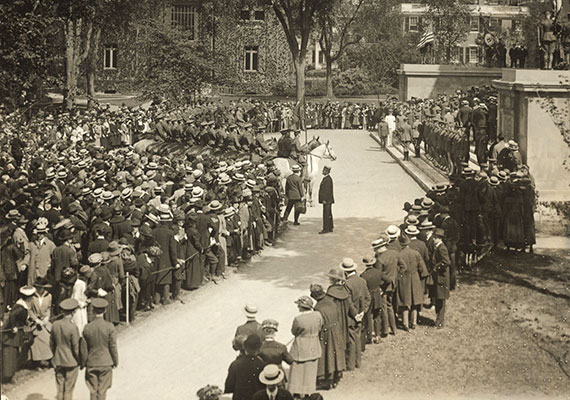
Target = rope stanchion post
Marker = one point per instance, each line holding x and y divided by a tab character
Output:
127	298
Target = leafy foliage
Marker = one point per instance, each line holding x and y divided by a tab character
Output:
449	21
173	66
25	50
383	46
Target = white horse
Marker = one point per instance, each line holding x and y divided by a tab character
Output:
319	152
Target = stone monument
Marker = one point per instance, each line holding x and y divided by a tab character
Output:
534	110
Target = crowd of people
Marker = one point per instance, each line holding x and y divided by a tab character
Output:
95	227
87	217
492	204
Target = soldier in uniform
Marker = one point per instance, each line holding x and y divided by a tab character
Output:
284	144
99	354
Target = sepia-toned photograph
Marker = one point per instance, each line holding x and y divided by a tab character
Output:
284	199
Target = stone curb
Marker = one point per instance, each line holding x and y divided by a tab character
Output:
418	176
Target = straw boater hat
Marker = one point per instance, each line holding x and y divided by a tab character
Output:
271	375
215	205
114	249
411	220
438	232
27	290
295	168
348	265
427	224
250	311
412	230
392	231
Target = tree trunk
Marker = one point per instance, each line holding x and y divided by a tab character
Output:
330	93
300	84
91	69
70	76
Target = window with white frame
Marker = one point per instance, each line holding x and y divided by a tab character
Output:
473	55
474	23
251	58
413	24
184	17
110	57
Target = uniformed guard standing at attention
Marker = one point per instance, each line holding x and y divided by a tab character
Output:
64	343
99	352
326	198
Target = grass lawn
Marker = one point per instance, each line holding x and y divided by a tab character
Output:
507	334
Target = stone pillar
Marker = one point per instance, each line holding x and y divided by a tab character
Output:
533	105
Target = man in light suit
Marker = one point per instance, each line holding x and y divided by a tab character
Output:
64	343
99	352
294	192
326	198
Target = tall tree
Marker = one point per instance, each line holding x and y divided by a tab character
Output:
336	23
298	20
26	51
383	46
450	22
76	17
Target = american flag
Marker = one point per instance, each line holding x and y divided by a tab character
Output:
426	39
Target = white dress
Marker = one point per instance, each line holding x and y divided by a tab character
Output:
80	316
391	121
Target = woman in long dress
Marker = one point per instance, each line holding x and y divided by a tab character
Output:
40	312
306	349
194	271
79	317
513	230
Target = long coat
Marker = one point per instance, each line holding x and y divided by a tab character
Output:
359	292
440	263
333	341
374	283
164	236
306	328
243	377
294	187
345	309
410	289
389	262
326	190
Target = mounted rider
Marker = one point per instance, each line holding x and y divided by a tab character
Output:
298	152
284	144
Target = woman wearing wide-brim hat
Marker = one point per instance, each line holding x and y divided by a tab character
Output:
40	313
306	349
16	333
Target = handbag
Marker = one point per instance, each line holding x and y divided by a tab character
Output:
301	207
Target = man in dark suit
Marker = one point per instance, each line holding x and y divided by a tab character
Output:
249	328
440	264
271	377
243	374
326	198
361	300
294	192
284	145
64	343
99	352
373	318
164	236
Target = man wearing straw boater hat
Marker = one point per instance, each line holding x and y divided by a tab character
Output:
361	301
99	354
64	342
250	327
271	377
164	236
294	192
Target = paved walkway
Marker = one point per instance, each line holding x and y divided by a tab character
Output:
175	351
